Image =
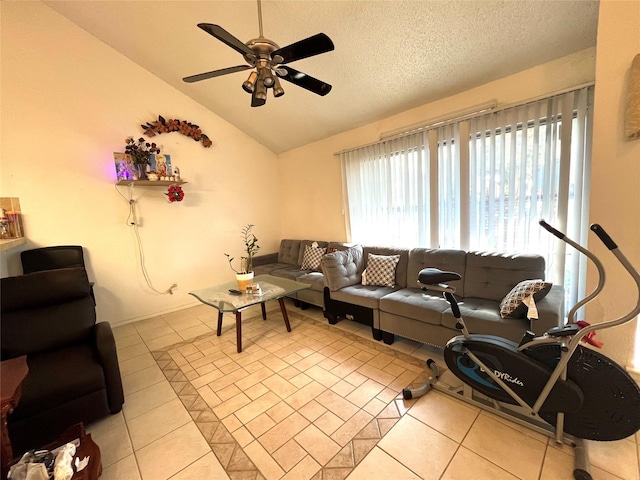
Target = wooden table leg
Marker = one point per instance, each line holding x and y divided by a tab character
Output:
284	314
219	332
264	311
239	330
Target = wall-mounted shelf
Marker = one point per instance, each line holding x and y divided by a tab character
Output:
149	183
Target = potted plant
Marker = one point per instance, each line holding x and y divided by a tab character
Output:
140	153
244	274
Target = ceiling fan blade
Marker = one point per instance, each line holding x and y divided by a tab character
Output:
225	37
305	81
308	47
215	73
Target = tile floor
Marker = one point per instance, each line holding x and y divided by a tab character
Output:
322	402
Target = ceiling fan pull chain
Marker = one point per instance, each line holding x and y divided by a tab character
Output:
260	17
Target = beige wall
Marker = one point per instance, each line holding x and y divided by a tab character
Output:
68	102
615	196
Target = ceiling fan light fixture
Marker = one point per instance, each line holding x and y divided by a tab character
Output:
278	91
250	83
260	91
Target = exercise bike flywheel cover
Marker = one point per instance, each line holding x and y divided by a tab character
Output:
611	408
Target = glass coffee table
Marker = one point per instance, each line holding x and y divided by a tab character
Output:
273	288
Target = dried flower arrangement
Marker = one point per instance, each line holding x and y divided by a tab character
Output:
174	125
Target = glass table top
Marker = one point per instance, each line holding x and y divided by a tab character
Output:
272	288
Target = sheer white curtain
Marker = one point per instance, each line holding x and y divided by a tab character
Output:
482	184
387	192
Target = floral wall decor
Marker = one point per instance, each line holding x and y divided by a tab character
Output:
175	193
174	125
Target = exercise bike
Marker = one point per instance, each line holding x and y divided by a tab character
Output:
552	383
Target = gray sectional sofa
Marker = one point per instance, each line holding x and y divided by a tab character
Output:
407	310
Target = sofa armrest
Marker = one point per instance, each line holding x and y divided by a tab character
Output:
342	268
550	311
265	259
108	357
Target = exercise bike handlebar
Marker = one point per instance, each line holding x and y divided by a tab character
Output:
604	236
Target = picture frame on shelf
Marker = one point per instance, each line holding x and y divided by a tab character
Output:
125	169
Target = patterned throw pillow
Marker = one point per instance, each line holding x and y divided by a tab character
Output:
381	270
312	257
512	306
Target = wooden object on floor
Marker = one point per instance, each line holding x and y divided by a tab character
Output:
12	374
86	448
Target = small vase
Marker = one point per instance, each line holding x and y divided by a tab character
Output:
243	280
142	171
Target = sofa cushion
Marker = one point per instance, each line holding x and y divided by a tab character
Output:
443	259
481	317
415	304
364	295
315	279
312	256
343	268
513	306
381	270
290	272
492	275
289	252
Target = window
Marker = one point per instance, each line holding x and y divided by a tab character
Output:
482	184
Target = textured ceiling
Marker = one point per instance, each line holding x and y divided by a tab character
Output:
390	55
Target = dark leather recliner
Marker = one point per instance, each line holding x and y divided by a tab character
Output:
73	365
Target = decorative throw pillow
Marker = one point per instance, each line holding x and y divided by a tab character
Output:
512	306
312	257
381	270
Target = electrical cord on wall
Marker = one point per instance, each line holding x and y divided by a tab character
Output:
132	221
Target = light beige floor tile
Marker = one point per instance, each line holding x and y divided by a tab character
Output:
351	427
378	461
232	405
559	465
265	463
114	444
257	407
128	341
177	450
304	470
123	331
150	324
140	380
317	444
441	412
328	423
283	432
206	467
99	427
289	455
427	454
147	399
365	393
163	341
194	331
260	425
619	458
465	461
124	469
281	411
312	410
132	351
153	333
136	364
183	323
280	386
491	439
321	376
338	405
155	423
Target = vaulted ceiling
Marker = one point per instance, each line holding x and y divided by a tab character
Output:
390	55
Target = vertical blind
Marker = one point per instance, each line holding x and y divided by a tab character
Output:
482	184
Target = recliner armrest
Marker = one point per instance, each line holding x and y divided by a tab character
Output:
108	356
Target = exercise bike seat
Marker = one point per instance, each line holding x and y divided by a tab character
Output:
567	330
435	276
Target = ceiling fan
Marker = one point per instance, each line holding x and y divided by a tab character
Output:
266	58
